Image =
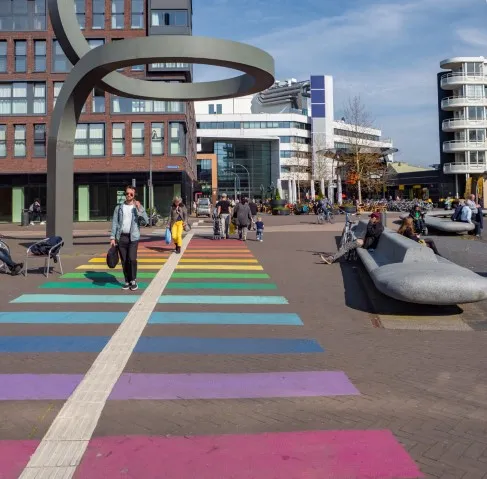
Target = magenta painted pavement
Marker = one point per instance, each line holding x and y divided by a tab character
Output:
14	456
292	455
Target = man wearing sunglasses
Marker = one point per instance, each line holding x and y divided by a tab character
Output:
127	219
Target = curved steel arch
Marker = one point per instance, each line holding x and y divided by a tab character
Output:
97	68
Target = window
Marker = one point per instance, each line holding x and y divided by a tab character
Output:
474	69
98	15
138	68
39	99
474	91
80	9
90	139
40	141
475	112
477	156
356	134
173	18
95	42
137	138
118	139
130	105
476	135
20	56
177	139
19	98
20	141
39	55
117	14
137	17
3	56
219	109
3	141
57	88
211	109
98	105
157	138
60	64
23	15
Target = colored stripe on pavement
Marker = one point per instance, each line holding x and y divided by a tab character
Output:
101	275
210	285
18	387
220	275
166	344
92	317
100	284
235	267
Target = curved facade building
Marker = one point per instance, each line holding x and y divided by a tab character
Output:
463	121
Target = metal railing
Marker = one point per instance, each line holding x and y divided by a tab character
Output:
463	123
463	100
462	77
452	168
462	145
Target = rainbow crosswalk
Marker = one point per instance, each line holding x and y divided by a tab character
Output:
230	271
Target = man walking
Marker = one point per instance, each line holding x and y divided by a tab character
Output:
253	211
223	211
128	216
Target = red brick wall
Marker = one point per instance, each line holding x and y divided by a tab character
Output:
109	163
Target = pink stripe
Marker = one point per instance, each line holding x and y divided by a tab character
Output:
293	455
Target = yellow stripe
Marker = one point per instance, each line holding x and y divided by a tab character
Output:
220	260
155	260
231	267
99	267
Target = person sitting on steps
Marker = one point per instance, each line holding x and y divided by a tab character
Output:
370	240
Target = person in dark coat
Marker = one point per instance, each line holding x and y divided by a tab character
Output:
243	217
253	210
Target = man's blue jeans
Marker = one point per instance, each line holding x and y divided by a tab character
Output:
5	258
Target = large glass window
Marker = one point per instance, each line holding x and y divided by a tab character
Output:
39	98
118	139
474	91
19	98
476	112
3	56
130	105
57	88
117	14
40	55
20	56
474	69
477	156
218	125
137	14
174	18
22	15
80	8
90	139
476	135
95	42
157	138
98	105
137	138
177	138
40	141
19	141
98	18
3	141
60	64
22	98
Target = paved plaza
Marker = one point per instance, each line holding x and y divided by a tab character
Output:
236	360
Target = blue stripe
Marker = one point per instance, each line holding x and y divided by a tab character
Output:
57	317
131	299
186	345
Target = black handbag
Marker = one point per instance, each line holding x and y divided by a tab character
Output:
112	257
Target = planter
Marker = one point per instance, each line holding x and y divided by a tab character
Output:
278	203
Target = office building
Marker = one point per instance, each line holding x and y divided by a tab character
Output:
117	139
276	138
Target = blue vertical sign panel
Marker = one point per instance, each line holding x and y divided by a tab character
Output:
318	109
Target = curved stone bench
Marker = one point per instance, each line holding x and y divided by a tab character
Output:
410	272
446	224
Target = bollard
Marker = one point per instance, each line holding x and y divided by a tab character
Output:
384	218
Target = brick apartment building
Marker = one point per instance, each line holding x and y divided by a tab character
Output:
116	137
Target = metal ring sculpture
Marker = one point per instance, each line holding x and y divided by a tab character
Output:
97	68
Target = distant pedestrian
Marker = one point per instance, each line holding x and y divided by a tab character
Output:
224	209
259	226
35	211
253	210
178	220
243	217
128	216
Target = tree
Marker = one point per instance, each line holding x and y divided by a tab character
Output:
363	162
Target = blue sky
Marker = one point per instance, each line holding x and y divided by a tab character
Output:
386	51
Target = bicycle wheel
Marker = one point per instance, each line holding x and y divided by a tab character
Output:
320	219
343	239
331	218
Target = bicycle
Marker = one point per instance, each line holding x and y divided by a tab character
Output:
325	215
348	236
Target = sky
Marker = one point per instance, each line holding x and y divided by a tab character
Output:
385	51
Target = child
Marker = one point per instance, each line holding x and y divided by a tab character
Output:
259	226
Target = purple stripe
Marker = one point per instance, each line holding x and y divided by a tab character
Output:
37	386
183	386
225	386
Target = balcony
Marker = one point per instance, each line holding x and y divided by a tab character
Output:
461	123
458	168
454	102
451	81
461	145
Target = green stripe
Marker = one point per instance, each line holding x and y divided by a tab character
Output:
100	284
211	285
221	275
97	275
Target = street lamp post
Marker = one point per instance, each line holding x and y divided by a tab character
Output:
248	176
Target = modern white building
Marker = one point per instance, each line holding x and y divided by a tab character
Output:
463	119
277	138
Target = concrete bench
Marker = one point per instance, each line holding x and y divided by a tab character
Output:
447	225
407	271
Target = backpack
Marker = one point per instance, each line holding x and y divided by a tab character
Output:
457	214
42	249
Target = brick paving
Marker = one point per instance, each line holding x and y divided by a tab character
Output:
428	387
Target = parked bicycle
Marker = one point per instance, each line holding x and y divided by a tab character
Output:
348	235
